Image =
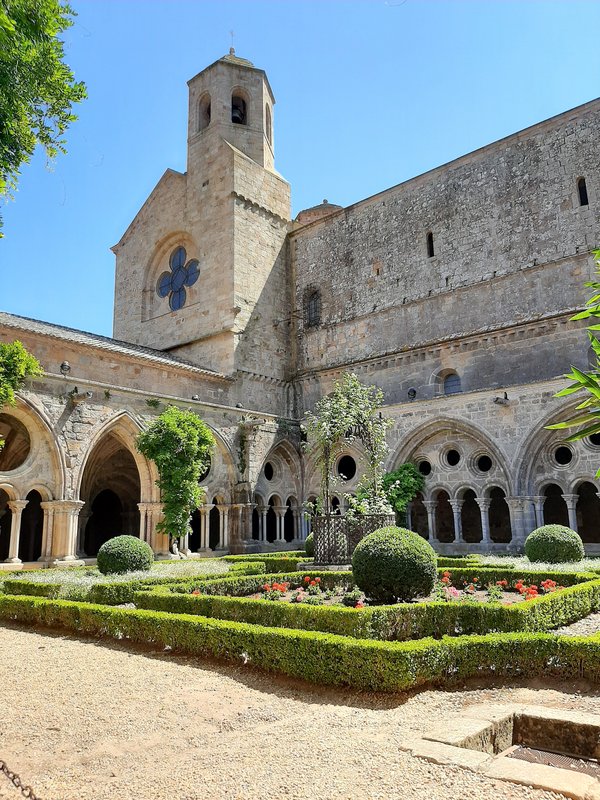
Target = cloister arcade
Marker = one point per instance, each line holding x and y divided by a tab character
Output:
60	509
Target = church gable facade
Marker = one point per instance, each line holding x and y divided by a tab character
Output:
453	292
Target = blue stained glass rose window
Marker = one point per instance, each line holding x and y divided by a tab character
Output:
182	273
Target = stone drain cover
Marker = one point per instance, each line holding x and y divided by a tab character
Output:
533	756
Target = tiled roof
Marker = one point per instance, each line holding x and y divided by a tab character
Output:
102	342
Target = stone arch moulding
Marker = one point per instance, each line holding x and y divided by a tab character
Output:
10	491
125	428
577	482
44	447
152	304
533	446
289	477
411	443
223	473
312	473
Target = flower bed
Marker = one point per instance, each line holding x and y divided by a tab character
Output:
229	599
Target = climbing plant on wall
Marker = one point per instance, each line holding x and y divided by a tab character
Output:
587	416
16	365
180	444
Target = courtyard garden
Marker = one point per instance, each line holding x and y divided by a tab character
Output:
400	618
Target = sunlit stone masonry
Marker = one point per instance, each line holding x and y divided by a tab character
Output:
451	291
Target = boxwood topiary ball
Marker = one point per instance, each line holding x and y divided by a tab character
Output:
309	545
554	544
394	564
124	554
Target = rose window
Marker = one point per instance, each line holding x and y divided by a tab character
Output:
182	273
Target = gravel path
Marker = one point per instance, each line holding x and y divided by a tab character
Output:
583	627
96	721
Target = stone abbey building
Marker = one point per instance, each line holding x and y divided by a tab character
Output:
451	291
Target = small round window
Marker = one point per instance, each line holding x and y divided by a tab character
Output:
563	455
269	471
452	458
484	463
425	467
346	468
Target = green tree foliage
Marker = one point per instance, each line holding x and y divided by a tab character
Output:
587	416
37	89
16	365
349	413
180	444
401	486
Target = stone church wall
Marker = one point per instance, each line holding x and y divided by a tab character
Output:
507	230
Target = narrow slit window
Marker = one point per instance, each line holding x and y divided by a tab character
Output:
582	189
313	309
430	248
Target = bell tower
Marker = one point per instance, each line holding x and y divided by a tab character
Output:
202	270
232	99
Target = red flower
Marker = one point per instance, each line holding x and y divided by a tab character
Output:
266	587
317	580
445	579
359	605
196	591
446	574
307	579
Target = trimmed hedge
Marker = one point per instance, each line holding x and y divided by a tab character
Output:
458	561
554	544
124	554
299	554
113	594
273	562
402	622
324	658
394	564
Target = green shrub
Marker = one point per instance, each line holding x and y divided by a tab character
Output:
554	544
309	545
324	658
394	564
124	554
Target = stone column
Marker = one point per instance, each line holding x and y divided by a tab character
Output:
530	515
16	507
47	531
298	525
262	537
143	532
430	506
223	528
484	506
538	502
158	541
571	501
64	540
204	549
516	507
280	512
456	507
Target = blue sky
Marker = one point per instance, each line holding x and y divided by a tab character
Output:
368	95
